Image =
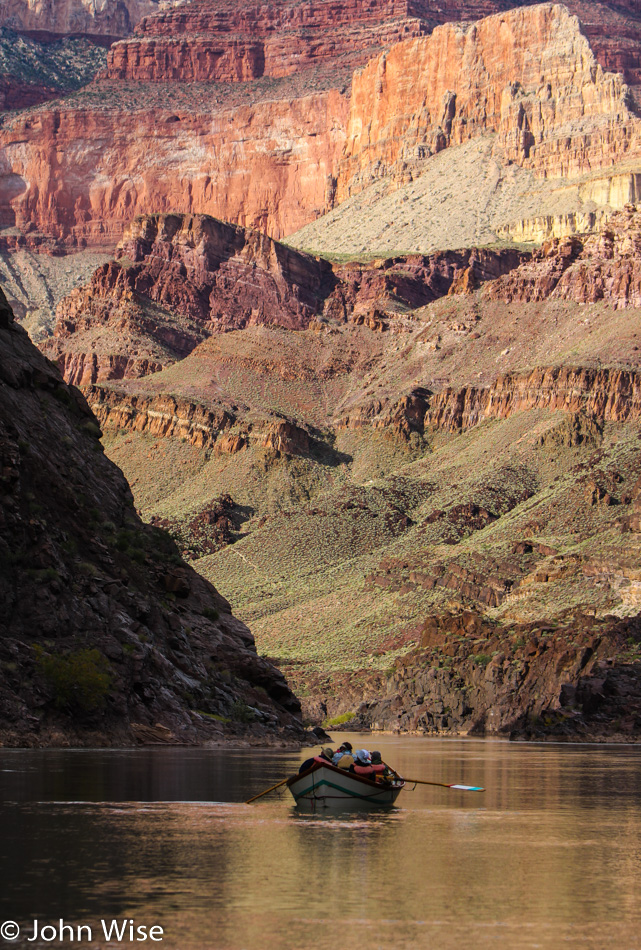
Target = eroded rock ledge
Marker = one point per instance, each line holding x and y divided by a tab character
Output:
573	678
608	395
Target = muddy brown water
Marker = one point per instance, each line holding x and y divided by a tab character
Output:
549	856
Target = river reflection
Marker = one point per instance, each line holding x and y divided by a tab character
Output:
549	856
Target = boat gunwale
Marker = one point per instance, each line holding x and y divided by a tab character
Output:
334	768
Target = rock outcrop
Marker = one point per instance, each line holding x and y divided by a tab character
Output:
221	274
106	633
605	394
179	278
414	280
603	266
554	679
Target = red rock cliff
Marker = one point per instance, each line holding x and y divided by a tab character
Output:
609	395
205	41
266	153
528	75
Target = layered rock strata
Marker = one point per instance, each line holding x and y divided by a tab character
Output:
179	278
528	75
239	169
204	41
608	394
310	143
107	636
603	266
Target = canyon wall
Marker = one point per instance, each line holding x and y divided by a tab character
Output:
204	41
250	116
81	175
528	74
103	625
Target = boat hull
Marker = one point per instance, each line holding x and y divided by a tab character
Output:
326	786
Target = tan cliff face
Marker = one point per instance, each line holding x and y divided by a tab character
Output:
528	75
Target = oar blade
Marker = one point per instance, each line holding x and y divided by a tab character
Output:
468	788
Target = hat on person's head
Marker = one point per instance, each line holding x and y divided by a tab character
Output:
346	745
362	755
328	752
376	758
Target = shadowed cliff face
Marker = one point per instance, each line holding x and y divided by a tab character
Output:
105	631
263	129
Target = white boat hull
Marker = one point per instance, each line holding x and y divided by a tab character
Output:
327	786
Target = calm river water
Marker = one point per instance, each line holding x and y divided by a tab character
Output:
548	857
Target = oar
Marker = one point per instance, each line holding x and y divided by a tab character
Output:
420	781
462	788
266	792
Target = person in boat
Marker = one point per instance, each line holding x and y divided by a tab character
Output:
324	756
381	771
343	757
363	765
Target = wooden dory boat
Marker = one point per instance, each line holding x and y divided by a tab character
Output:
327	786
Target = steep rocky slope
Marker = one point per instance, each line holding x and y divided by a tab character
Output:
107	636
226	125
32	72
498	204
422	446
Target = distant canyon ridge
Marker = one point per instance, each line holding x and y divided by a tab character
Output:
273	116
